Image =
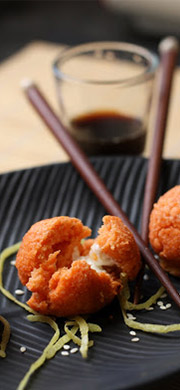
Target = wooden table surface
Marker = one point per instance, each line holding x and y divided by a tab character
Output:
25	141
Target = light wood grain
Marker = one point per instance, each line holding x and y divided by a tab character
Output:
25	141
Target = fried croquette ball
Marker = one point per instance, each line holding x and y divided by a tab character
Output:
164	230
71	276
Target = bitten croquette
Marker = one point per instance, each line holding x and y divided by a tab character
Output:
68	275
164	230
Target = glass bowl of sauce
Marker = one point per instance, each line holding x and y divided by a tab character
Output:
104	91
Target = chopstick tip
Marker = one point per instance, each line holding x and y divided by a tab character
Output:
168	43
26	83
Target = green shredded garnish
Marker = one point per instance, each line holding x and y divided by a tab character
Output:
40	361
145	305
4	255
83	327
145	327
149	328
46	320
125	295
94	328
73	337
63	340
5	337
77	340
6	331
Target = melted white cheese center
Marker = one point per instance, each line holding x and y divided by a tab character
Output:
97	260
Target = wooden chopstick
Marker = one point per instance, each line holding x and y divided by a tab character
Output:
90	176
168	49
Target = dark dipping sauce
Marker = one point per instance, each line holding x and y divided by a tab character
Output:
106	132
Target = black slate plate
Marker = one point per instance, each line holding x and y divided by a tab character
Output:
114	363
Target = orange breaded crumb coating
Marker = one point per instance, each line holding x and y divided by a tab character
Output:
63	271
45	237
164	230
77	290
116	241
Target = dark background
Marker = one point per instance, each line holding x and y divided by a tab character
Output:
68	21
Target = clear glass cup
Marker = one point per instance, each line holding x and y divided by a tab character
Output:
104	91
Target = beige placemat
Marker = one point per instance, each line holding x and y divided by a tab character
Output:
25	141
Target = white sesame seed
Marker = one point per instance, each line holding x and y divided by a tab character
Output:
135	339
23	349
64	353
146	277
132	333
19	292
150	308
74	350
164	295
162	307
160	303
156	256
168	305
13	262
130	316
66	346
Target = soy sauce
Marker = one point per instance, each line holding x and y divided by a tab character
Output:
106	132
